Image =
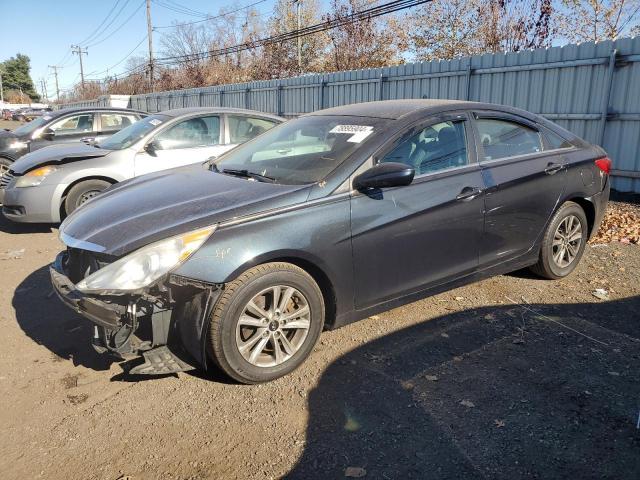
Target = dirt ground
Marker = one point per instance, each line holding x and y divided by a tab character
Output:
513	377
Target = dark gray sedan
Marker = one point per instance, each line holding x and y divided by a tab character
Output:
321	221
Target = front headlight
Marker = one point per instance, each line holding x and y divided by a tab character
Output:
18	145
146	265
35	177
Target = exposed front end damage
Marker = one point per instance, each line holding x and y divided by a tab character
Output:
165	323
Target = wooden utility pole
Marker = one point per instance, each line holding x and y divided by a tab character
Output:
55	74
78	50
299	14
150	38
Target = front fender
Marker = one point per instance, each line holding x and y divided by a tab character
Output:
317	236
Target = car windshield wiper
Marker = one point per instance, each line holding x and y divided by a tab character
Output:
247	174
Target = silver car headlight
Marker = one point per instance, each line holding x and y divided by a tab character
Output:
35	177
144	266
18	145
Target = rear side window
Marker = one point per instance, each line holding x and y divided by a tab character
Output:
191	133
437	147
116	121
555	141
502	139
242	129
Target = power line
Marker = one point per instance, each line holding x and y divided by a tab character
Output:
177	8
330	24
92	34
212	17
95	38
120	61
127	20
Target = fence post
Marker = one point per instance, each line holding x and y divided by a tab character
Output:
246	98
322	85
279	99
157	103
220	101
200	99
381	87
468	81
606	96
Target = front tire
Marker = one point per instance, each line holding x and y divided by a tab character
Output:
563	243
266	322
83	192
5	165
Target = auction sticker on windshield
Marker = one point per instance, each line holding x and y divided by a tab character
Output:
359	132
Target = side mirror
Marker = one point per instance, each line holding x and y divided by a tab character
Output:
152	147
385	175
48	134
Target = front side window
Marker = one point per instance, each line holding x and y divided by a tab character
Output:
243	129
132	134
502	138
440	146
115	121
75	124
191	133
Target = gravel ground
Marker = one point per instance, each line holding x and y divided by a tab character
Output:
512	377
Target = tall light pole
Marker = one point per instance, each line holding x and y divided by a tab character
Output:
1	88
80	51
55	74
150	38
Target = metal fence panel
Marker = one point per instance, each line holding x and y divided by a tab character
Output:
592	89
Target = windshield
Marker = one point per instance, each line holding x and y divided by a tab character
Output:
304	150
134	132
29	128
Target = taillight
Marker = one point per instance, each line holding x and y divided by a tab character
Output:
604	164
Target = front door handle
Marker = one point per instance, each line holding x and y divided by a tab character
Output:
553	168
468	193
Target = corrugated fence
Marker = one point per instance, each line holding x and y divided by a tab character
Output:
592	89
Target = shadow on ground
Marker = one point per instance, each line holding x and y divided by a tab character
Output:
7	226
489	393
45	319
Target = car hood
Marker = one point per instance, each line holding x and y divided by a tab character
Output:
152	207
6	137
55	154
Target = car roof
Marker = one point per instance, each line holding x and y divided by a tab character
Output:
396	109
178	112
64	111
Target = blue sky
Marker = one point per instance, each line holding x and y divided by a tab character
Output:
44	30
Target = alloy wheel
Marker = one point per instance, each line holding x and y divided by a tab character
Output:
567	241
273	326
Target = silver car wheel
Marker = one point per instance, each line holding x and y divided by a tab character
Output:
3	169
86	196
273	326
567	241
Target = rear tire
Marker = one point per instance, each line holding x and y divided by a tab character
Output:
83	192
266	322
563	243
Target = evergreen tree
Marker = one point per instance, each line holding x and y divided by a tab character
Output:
16	76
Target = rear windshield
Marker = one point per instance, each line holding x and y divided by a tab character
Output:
134	132
300	151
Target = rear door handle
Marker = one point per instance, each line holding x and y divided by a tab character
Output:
468	193
553	168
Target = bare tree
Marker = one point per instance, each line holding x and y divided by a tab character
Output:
372	42
280	59
446	29
597	20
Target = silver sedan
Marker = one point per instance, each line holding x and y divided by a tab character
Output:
47	185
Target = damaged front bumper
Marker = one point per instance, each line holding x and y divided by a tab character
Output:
165	323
